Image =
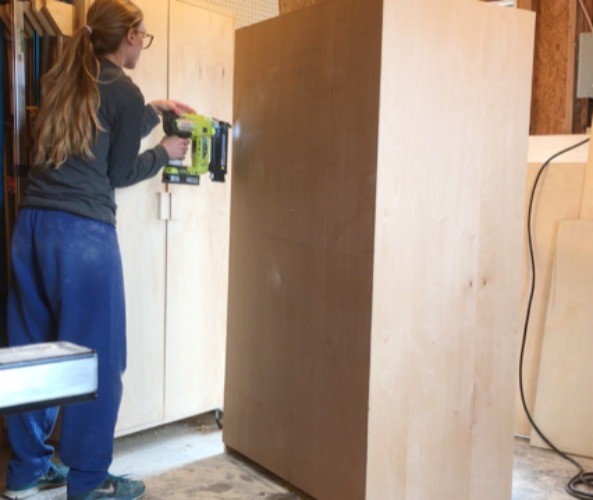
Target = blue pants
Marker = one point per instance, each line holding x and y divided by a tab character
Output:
67	284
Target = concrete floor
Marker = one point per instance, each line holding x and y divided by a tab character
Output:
187	460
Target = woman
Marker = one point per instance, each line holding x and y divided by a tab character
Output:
67	279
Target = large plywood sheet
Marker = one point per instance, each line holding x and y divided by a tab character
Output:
451	180
562	409
201	65
558	198
142	238
306	104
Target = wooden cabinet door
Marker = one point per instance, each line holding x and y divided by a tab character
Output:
201	48
142	238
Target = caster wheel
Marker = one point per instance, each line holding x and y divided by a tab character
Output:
218	416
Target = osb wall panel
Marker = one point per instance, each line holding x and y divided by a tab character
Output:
553	82
555	107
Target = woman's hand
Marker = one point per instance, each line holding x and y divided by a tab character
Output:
176	147
167	105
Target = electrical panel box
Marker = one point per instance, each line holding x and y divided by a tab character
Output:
585	73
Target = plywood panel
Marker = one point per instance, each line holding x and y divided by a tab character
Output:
567	345
142	241
306	107
562	410
448	249
558	198
587	201
200	74
60	16
42	19
32	20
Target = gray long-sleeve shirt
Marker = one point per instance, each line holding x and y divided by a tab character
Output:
86	186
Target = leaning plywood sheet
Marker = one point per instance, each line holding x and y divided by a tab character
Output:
451	179
42	20
563	408
306	114
569	312
32	19
60	16
558	198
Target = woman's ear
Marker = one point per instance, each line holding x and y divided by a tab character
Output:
131	36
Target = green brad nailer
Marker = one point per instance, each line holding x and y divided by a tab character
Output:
209	139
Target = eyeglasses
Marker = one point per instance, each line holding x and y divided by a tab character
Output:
147	38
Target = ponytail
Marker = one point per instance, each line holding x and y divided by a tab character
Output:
68	123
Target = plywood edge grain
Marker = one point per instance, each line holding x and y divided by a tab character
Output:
587	202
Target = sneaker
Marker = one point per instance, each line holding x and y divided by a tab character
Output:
53	478
119	487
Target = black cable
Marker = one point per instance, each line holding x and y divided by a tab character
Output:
582	478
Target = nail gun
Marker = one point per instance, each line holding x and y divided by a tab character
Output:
209	148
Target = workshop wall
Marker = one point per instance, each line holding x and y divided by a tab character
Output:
250	12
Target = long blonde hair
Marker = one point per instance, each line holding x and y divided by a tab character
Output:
68	123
